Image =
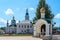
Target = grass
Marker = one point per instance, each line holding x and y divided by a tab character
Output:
16	35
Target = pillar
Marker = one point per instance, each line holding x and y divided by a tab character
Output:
47	29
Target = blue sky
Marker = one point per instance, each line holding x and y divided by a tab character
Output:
17	8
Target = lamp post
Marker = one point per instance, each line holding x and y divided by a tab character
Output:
51	29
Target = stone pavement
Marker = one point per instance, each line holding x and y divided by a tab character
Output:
18	38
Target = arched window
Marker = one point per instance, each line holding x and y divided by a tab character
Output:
22	30
27	26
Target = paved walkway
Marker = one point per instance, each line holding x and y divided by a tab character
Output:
18	38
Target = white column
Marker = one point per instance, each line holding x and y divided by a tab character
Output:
47	29
35	32
17	28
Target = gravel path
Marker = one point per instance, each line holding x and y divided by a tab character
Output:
18	38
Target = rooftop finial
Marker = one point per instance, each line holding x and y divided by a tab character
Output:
7	23
27	10
42	10
13	17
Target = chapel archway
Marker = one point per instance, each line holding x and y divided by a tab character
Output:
43	29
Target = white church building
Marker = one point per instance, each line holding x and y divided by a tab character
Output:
20	27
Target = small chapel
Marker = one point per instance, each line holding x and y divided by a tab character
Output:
42	27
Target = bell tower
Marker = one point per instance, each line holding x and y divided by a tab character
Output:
13	22
27	15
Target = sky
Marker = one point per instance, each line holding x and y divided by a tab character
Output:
17	8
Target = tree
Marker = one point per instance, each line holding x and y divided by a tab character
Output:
48	13
2	28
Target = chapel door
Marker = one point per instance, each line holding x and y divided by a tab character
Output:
43	29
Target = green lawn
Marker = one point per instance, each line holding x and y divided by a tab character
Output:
16	35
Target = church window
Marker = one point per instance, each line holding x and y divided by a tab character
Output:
28	26
25	31
22	30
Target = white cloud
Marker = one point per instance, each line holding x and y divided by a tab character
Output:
32	9
57	16
9	21
17	21
3	20
9	11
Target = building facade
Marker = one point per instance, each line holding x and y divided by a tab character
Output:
20	27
